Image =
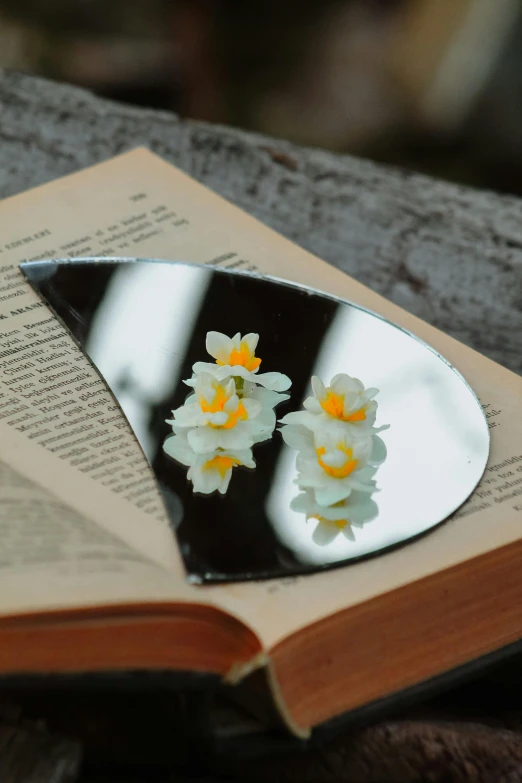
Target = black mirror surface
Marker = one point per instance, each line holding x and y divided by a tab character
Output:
143	325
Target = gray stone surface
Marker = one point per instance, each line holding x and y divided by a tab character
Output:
449	254
31	754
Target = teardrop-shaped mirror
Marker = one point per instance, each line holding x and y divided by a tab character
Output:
144	324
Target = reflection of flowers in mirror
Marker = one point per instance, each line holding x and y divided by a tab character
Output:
208	472
235	358
344	403
215	417
231	409
332	464
338	453
339	518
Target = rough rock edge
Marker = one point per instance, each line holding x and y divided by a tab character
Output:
451	255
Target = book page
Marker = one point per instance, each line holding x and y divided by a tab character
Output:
110	510
138	205
55	557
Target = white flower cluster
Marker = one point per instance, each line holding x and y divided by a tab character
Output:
231	409
339	451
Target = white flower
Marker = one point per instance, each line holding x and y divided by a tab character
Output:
231	409
216	418
345	402
208	472
345	399
332	466
214	404
338	454
267	397
351	512
234	350
327	426
303	438
235	358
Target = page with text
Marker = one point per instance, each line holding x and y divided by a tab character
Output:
139	205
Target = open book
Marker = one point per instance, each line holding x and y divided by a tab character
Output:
91	579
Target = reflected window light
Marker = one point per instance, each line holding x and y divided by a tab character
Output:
141	302
424	448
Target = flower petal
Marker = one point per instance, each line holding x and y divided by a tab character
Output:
205	439
204	481
328	496
313	405
187	415
232	403
263	426
371	392
309	481
340	511
297	437
235	371
325	533
303	419
217	419
352	402
251	340
219	346
302	503
243	456
334	459
275	381
362	508
318	388
362	486
341	383
225	481
267	398
254	408
371	413
379	451
199	367
348	532
178	448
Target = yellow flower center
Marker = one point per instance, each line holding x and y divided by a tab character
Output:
345	469
242	357
340	523
223	464
333	404
218	406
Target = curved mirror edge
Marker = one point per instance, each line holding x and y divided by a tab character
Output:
336	317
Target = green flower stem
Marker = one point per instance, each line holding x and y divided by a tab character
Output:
240	385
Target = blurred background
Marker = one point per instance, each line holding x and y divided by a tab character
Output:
433	85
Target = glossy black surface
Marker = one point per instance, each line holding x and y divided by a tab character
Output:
143	324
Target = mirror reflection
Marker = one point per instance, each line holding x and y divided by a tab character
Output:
144	325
